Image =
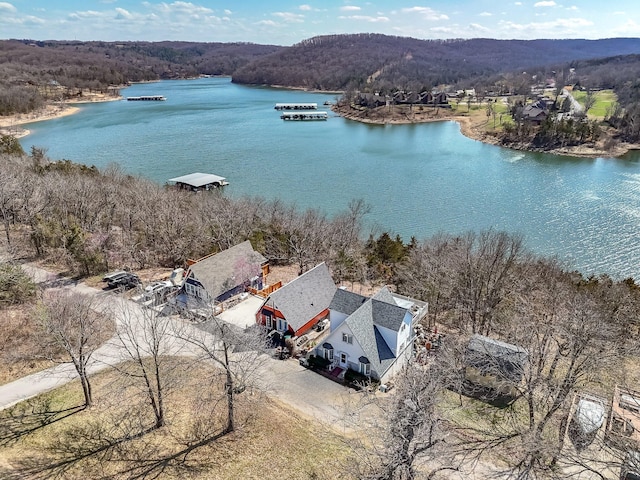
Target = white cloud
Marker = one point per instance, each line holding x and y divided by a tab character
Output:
630	28
305	8
228	12
364	18
486	14
518	3
573	8
545	3
478	28
350	8
7	7
289	17
122	13
426	12
186	7
268	23
565	27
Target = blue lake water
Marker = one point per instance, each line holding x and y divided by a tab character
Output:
418	179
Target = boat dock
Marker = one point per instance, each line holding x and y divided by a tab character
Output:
147	98
199	181
296	106
301	116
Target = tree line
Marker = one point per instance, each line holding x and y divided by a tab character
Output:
34	72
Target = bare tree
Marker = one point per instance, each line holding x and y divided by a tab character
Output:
70	326
570	341
405	431
238	353
146	342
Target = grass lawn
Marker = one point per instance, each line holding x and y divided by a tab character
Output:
604	99
51	435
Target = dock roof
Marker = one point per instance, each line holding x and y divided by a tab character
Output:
198	179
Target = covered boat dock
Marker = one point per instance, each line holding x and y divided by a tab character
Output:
304	116
199	181
296	106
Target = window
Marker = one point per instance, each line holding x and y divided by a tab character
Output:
365	369
328	354
282	325
347	338
343	359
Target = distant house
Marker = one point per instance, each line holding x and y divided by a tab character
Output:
438	99
371	335
494	365
536	113
217	277
300	304
370	100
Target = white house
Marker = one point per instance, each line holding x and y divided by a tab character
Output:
373	336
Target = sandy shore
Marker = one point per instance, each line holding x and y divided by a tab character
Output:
13	124
476	129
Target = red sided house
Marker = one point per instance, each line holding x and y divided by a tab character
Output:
296	307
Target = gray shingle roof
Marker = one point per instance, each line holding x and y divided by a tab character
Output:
496	357
305	297
388	315
227	269
346	302
362	325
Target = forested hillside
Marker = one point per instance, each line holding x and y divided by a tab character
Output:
33	72
341	62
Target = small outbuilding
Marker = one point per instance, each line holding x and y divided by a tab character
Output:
493	365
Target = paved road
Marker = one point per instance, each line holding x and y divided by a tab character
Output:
309	393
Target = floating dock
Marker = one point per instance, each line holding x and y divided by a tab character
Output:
147	98
296	106
199	181
304	116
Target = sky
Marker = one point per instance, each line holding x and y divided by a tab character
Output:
282	22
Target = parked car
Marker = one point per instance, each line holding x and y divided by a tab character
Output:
158	289
122	279
113	275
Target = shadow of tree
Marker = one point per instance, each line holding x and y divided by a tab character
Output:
29	417
93	448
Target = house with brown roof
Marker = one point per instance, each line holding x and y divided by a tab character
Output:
218	277
299	305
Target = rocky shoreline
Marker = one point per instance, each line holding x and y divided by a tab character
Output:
475	129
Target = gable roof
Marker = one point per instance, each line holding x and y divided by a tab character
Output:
305	297
388	315
223	271
346	302
374	347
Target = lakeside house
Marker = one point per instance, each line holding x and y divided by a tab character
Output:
370	335
536	113
217	277
299	305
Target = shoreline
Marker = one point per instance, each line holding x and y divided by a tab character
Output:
474	130
12	124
